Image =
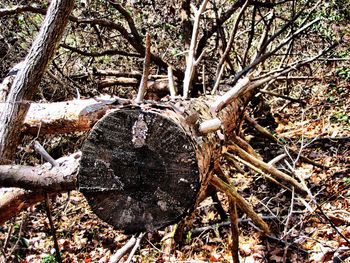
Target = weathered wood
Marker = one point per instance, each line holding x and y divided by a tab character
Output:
66	116
29	77
138	170
145	167
38	180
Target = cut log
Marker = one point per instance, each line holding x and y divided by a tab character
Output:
145	167
65	116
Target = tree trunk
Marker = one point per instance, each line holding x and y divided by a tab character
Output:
29	77
145	167
22	90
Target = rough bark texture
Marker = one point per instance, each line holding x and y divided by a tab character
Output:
29	77
21	91
145	167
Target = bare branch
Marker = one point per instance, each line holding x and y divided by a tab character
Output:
191	57
44	154
21	9
265	56
109	52
231	95
171	83
128	18
146	65
44	178
228	46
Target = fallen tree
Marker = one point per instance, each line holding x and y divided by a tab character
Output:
151	163
147	164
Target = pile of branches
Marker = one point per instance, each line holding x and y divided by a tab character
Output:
227	54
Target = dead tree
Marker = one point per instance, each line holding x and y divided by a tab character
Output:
146	165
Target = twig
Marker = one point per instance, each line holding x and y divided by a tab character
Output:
24	217
109	52
287	224
282	96
191	63
8	236
146	65
201	230
123	250
136	246
53	229
291	245
251	36
234	231
45	155
203	80
223	58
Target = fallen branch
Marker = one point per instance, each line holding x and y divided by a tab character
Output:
234	231
123	250
136	246
231	192
267	168
274	138
256	169
61	178
66	116
39	179
191	57
241	86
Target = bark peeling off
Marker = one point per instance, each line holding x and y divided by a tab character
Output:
139	170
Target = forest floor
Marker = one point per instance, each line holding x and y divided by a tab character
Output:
303	230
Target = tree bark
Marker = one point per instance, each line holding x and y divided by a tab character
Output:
22	90
29	77
44	178
38	180
65	116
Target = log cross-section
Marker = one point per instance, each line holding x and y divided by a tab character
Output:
144	167
139	170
